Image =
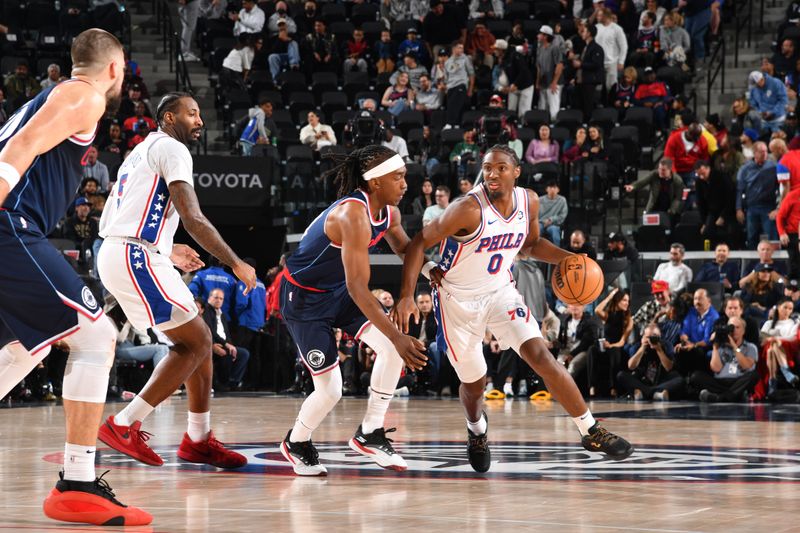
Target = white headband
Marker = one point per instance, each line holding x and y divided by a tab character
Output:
390	165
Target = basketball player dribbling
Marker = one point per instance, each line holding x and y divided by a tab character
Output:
326	286
153	193
474	289
42	299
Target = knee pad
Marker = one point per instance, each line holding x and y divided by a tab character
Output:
90	359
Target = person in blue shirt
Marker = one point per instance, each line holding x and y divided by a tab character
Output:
720	269
214	277
250	311
768	97
756	189
695	339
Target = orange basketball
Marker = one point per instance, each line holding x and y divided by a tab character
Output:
577	279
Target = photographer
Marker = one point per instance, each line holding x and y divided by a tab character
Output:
364	128
649	374
733	362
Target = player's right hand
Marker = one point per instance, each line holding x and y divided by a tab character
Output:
404	308
246	274
411	351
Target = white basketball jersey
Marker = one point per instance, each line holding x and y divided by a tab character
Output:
480	263
139	205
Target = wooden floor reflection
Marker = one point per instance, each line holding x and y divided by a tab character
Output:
697	468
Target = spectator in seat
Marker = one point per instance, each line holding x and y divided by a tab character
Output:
140	132
321	49
425	332
465	185
113	140
260	128
716	127
429	98
92	168
315	134
134	95
748	140
443	26
442	197
230	362
416	46
305	21
765	251
425	198
486	9
281	15
695	336
611	37
768	97
578	334
465	152
651	6
756	189
215	277
618	247
250	19
459	82
744	117
594	148
131	123
674	41
733	307
761	294
685	147
655	95
573	150
655	309
400	10
543	149
777	336
579	245
80	228
622	93
285	53
733	363
549	72
649	374
605	362
396	143
412	68
675	271
788	224
785	60
384	53
479	45
720	269
552	213
589	71
355	50
20	86
665	189
53	76
644	44
727	161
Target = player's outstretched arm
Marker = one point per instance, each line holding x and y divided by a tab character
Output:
461	217
200	228
534	245
72	108
348	225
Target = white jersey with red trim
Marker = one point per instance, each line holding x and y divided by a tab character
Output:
139	205
480	263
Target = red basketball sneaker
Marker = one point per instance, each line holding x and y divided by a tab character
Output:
130	440
91	502
211	451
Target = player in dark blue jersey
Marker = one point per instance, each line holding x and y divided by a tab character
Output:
326	286
43	299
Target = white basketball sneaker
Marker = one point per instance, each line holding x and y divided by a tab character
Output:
303	456
379	448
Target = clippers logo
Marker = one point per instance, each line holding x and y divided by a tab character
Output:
523	461
315	358
88	298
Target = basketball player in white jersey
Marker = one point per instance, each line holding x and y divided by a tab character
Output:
153	193
481	234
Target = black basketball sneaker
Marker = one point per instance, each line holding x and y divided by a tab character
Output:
303	456
378	447
480	457
601	440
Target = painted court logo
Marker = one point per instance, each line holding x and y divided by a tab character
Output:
524	461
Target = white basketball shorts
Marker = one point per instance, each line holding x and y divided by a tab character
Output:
462	322
145	283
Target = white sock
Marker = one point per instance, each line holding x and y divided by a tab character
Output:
584	422
136	411
377	405
480	427
508	389
79	462
300	432
199	426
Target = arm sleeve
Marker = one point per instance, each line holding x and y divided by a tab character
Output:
172	160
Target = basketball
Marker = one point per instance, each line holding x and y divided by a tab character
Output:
577	279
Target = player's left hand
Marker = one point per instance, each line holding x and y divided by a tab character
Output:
436	274
403	309
185	258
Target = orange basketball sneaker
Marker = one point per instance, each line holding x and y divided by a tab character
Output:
91	502
210	451
130	440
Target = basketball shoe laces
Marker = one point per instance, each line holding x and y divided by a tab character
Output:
100	487
140	435
478	443
308	452
603	437
383	441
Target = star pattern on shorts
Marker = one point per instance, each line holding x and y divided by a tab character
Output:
155	216
446	262
161	197
158	207
137	254
152	225
138	265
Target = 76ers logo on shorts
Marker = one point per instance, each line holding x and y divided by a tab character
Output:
315	358
88	298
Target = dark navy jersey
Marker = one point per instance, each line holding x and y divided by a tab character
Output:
48	187
316	265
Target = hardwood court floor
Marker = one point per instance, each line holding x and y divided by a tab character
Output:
697	468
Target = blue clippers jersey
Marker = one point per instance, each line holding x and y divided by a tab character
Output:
317	263
45	191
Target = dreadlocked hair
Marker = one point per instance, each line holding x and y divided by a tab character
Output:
348	174
506	150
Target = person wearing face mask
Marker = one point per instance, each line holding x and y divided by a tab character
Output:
281	15
305	20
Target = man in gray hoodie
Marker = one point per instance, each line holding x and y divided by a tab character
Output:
552	213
